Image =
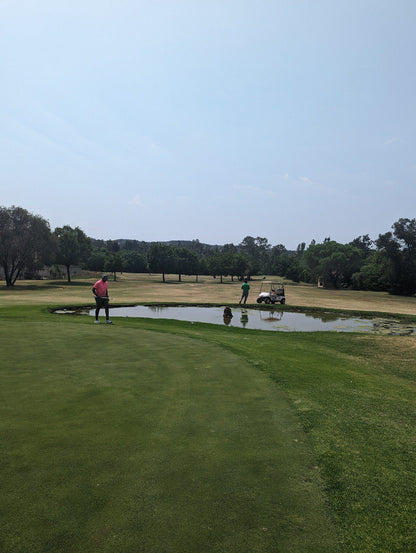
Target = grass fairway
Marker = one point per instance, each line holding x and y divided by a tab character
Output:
125	439
163	436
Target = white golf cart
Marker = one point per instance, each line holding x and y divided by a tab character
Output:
271	292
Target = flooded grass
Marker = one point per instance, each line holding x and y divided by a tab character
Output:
258	319
270	319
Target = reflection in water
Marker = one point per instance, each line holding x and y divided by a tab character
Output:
267	319
325	317
271	316
227	315
244	317
156	308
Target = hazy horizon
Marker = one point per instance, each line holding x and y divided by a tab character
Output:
214	121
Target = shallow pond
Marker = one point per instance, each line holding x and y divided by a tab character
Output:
262	319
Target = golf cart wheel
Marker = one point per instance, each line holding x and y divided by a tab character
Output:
258	300
282	301
267	300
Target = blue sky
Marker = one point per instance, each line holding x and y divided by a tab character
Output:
176	119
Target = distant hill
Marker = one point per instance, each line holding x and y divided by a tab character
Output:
192	245
143	246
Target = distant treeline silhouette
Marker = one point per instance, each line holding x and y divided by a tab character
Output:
388	263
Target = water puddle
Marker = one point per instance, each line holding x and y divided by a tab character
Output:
285	321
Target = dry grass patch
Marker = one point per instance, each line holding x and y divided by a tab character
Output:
142	288
396	354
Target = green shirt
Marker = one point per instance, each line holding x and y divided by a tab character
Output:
245	287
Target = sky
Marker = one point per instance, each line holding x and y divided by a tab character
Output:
156	120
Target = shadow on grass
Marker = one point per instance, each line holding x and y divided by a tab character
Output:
21	287
72	284
50	285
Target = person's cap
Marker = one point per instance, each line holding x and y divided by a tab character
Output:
104	277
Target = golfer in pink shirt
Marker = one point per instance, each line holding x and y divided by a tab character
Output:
100	291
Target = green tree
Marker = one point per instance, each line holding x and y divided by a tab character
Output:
364	243
278	257
294	270
202	267
281	264
135	262
332	261
114	263
113	246
258	254
73	247
230	260
26	241
187	262
161	259
398	250
217	264
300	250
373	275
238	265
96	260
405	233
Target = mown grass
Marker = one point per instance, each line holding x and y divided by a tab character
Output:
322	429
126	439
358	405
356	398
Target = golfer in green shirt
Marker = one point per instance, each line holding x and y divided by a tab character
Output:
245	287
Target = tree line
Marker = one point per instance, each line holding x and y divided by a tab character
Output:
386	264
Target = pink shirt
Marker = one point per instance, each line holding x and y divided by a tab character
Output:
101	288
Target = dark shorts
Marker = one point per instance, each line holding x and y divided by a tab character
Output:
101	302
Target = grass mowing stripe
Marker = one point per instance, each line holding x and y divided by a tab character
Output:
356	398
360	411
120	439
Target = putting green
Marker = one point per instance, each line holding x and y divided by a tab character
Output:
127	440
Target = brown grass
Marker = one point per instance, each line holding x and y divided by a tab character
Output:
137	288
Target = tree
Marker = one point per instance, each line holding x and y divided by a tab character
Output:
96	260
217	264
278	255
228	257
25	241
332	261
373	275
73	247
237	265
398	250
113	246
114	263
280	264
258	253
405	233
135	262
364	243
161	259
186	262
300	250
294	270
